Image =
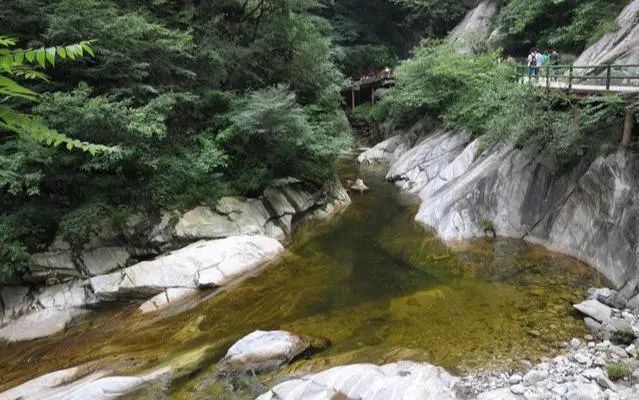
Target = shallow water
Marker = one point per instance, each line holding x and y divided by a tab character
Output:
371	282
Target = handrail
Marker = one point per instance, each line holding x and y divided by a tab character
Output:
575	72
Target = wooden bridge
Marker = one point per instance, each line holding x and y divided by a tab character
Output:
587	79
363	89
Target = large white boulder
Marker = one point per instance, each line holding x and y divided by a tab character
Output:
39	324
263	350
73	384
202	264
400	381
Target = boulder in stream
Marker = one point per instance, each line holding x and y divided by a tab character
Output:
202	264
263	350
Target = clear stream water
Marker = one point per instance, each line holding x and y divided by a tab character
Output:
371	282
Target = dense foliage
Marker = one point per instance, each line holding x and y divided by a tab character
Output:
569	25
200	99
481	94
375	34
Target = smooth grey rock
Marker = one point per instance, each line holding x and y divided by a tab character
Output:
167	298
518	389
202	222
609	297
38	324
477	25
388	150
584	391
502	394
210	263
76	384
403	380
102	260
595	310
618	47
515	379
276	200
261	351
359	186
422	164
535	376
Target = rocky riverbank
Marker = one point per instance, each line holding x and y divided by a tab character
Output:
161	264
587	212
591	368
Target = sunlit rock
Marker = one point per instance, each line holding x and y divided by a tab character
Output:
261	351
399	381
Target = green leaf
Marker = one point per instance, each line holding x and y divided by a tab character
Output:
62	52
87	47
30	55
41	57
50	52
70	52
19	57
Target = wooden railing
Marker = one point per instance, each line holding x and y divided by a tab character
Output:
587	78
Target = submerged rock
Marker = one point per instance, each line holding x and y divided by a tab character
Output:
360	186
261	351
399	381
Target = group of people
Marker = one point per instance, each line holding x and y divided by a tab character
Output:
537	59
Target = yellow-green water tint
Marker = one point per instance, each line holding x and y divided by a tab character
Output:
371	281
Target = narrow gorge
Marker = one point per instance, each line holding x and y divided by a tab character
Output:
236	243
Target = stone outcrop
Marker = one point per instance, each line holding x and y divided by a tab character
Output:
262	351
399	381
274	214
477	25
204	264
29	314
589	211
106	268
619	47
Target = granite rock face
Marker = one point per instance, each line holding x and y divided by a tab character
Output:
588	212
477	25
106	270
618	47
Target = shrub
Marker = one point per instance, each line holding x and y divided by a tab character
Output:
617	371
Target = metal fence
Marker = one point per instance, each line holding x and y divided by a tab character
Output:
613	78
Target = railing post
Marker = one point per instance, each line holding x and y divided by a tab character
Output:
570	72
608	73
548	77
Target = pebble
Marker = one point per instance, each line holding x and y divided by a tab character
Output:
517	389
515	379
577	374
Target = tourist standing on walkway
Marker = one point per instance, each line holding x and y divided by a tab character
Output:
532	62
539	62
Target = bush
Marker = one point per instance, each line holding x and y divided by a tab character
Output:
617	371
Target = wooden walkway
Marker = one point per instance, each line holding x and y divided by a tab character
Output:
587	79
585	88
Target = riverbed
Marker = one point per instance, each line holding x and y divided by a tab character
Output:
370	285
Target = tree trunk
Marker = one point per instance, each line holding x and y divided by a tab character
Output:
628	125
